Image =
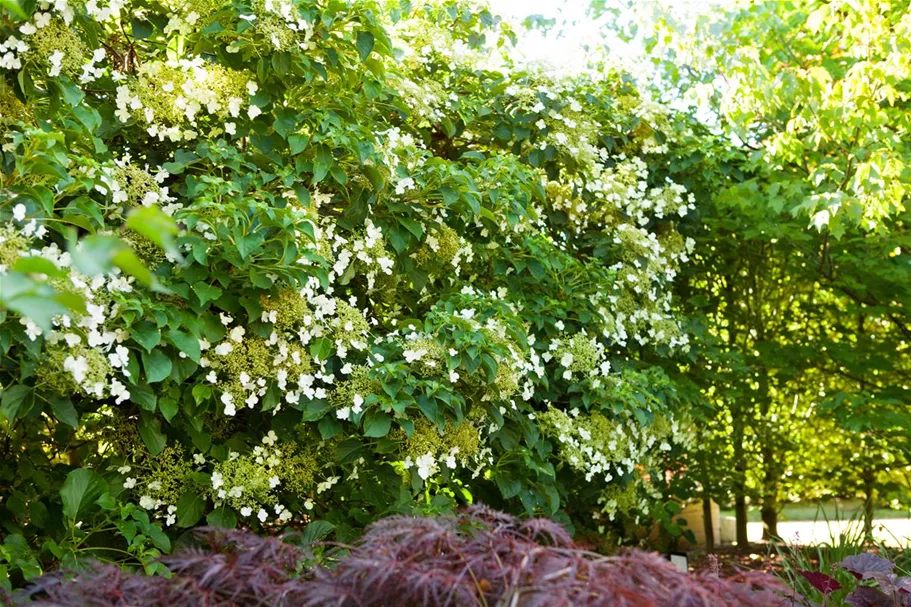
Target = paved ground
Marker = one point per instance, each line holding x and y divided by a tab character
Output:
893	532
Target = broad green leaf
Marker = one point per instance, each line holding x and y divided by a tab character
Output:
150	431
316	531
190	507
157	366
12	400
80	490
158	227
222	517
188	344
365	43
376	424
64	411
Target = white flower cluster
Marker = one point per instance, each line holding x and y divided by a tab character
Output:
87	348
172	96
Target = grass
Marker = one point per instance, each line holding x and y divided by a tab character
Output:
827	509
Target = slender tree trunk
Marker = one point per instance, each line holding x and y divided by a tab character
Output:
770	518
739	484
708	524
869	478
770	493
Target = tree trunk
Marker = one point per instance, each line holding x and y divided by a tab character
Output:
769	518
707	524
770	493
739	483
869	478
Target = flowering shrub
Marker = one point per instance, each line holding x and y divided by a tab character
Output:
480	557
272	261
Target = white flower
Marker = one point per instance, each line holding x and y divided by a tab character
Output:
77	366
252	87
237	334
19	212
230	128
217	480
224	348
358	402
246	511
56	61
453	376
343	413
274	482
262	515
129	483
413	355
427	465
119	391
147	503
308	504
566	360
228	400
253	111
199	458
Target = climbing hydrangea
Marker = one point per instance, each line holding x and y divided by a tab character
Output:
285	259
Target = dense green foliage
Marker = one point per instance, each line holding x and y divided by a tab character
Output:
801	273
279	261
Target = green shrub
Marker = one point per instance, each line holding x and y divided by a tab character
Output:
333	260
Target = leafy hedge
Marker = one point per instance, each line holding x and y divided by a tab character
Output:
269	261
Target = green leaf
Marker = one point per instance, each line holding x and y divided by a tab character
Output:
168	408
190	507
72	94
509	486
376	424
316	531
64	411
80	490
34	264
143	395
13	8
146	335
12	400
126	260
328	427
321	163
298	143
365	43
157	226
321	349
150	431
94	254
188	344
159	538
157	366
412	226
206	292
222	517
142	29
